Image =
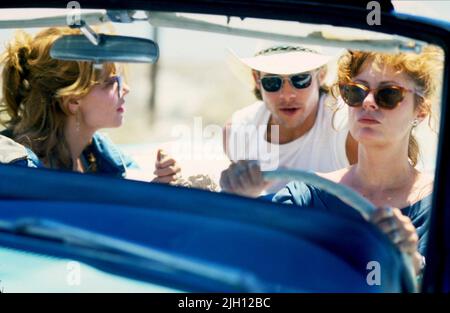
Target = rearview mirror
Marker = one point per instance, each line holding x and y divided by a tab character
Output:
109	49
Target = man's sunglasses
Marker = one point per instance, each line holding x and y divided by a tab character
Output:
273	83
386	97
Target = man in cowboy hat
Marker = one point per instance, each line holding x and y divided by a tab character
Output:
292	125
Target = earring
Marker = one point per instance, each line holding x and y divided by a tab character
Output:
415	122
77	122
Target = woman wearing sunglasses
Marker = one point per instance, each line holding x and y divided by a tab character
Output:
387	95
55	109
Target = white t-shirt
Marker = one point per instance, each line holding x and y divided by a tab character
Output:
321	149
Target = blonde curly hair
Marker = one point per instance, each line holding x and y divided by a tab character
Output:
35	87
424	69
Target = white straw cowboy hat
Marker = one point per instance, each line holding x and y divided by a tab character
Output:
280	59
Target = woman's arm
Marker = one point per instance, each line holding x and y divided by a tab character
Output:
166	168
400	229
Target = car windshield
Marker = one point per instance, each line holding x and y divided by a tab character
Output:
181	103
168	118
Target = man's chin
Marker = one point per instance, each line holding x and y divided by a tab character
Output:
292	124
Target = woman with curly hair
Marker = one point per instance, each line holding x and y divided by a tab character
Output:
54	108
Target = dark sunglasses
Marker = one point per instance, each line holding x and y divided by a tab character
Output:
273	83
386	97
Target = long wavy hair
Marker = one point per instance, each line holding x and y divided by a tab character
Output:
424	69
35	88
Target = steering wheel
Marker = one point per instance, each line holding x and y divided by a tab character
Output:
351	198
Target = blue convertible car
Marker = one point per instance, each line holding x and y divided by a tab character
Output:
70	232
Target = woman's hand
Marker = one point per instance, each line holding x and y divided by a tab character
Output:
166	168
243	178
401	231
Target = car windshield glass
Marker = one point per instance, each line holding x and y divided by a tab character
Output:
119	100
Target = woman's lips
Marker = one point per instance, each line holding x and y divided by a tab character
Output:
121	109
369	121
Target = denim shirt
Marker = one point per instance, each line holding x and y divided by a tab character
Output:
304	195
110	160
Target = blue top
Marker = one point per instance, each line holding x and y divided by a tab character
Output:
305	195
109	159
